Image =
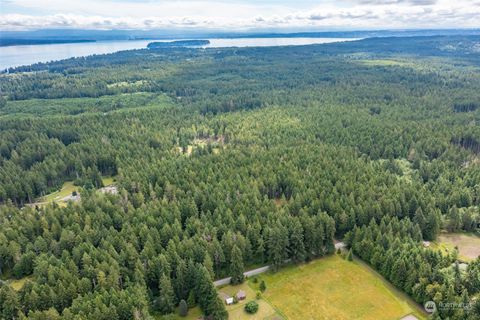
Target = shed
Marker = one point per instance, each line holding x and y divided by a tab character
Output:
241	295
229	301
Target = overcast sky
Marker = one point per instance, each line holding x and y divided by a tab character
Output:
238	15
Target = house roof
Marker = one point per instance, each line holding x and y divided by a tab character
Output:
241	293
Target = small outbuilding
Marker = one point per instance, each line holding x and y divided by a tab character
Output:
241	295
229	301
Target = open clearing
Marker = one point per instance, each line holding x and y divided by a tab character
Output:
237	312
107	181
333	288
65	191
18	284
63	195
468	244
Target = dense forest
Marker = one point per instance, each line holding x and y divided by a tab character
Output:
235	157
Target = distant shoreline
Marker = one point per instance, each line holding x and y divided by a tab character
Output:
178	43
22	42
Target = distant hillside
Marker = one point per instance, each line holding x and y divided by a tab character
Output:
78	34
19	42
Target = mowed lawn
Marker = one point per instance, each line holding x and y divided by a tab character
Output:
67	188
65	191
468	244
237	311
333	288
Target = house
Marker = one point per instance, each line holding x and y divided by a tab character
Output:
229	301
109	189
426	244
340	245
241	295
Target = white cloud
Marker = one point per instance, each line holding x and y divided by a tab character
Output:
128	14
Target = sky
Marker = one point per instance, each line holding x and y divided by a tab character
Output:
238	15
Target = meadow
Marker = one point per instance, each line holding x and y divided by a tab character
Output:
333	288
468	244
62	195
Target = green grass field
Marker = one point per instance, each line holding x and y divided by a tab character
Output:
18	284
333	288
107	181
66	190
468	245
237	312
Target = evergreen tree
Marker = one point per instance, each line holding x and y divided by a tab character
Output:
166	298
350	255
297	247
236	266
207	295
277	246
9	303
183	308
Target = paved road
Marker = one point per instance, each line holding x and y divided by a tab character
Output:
249	273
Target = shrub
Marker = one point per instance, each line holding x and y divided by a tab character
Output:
350	255
183	308
259	295
251	307
263	286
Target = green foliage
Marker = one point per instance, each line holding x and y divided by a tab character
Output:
263	286
207	295
349	256
251	307
3	102
232	157
165	303
236	266
9	302
183	308
191	302
393	248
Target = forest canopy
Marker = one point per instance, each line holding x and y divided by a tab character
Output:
235	157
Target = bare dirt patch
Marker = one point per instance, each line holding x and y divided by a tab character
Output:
468	244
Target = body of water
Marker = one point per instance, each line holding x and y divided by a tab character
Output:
15	56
